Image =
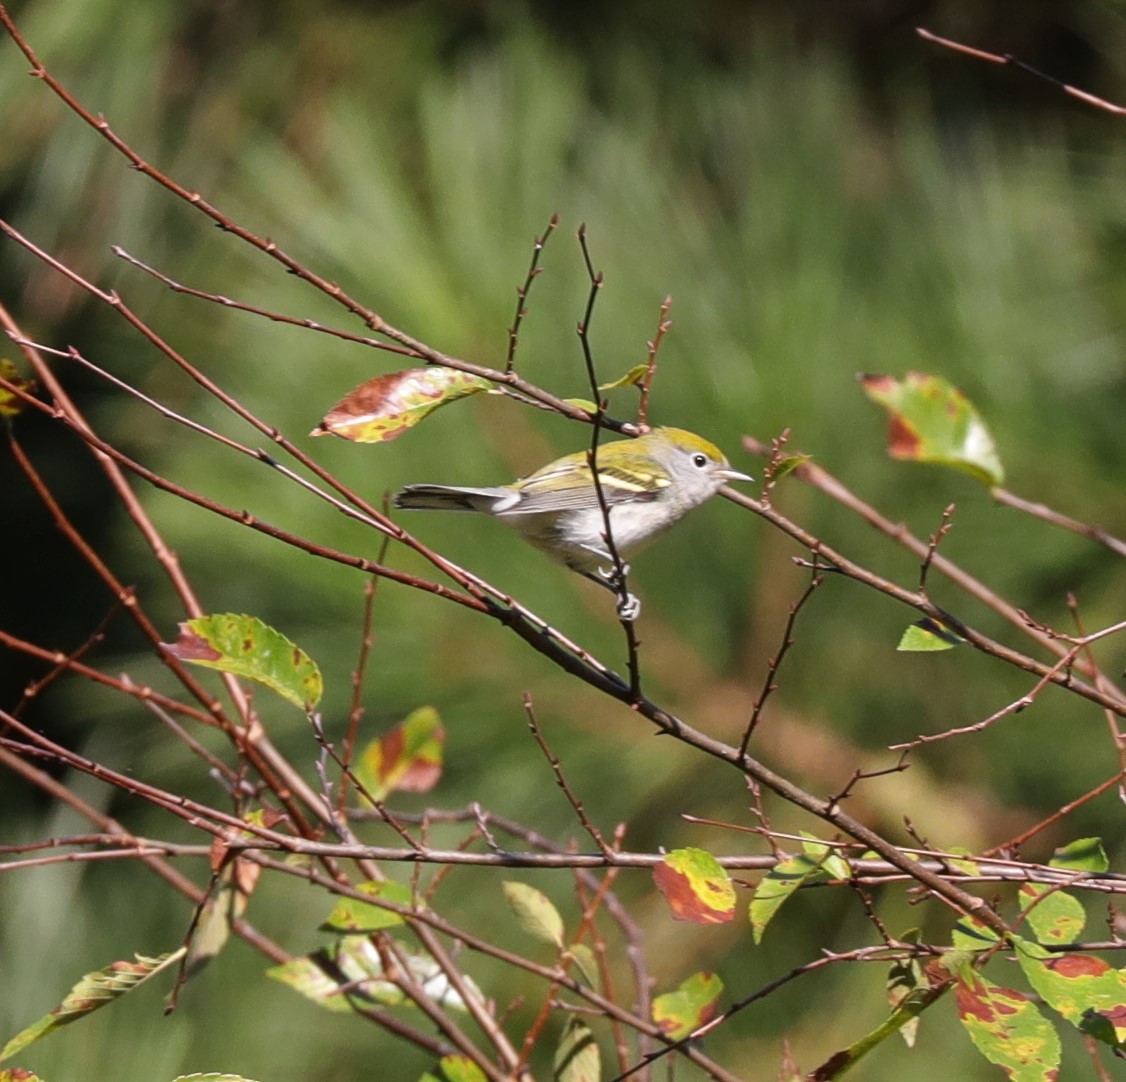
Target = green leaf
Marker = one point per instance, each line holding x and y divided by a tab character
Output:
10	403
245	646
930	420
576	1058
970	934
406	759
584	959
906	982
787	464
1078	986
1053	915
350	971
633	377
832	863
780	883
535	912
455	1069
582	403
928	635
1082	855
94	990
691	1006
352	917
696	887
385	407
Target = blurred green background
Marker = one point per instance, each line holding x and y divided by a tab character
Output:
820	192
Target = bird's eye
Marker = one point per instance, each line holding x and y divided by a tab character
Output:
699	460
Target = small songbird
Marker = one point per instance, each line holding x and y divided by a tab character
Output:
649	484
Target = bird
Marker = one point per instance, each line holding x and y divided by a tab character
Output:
648	484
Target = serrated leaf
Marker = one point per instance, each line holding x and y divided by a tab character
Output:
350	916
577	1058
455	1069
94	990
1077	986
1007	1029
691	1006
696	886
10	403
930	420
779	884
406	759
385	407
245	646
633	377
350	971
584	959
928	635
535	912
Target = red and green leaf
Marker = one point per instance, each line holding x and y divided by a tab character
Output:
94	990
930	420
696	887
385	407
691	1006
245	646
1007	1028
406	759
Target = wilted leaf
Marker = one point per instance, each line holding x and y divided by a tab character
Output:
576	1058
930	420
93	991
928	634
245	646
350	916
535	912
350	971
696	886
781	882
385	407
692	1005
1007	1029
10	403
408	758
18	1074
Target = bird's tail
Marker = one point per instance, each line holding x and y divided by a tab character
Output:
450	498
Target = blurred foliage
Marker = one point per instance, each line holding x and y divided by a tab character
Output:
821	194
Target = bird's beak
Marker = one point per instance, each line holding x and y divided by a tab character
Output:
728	474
